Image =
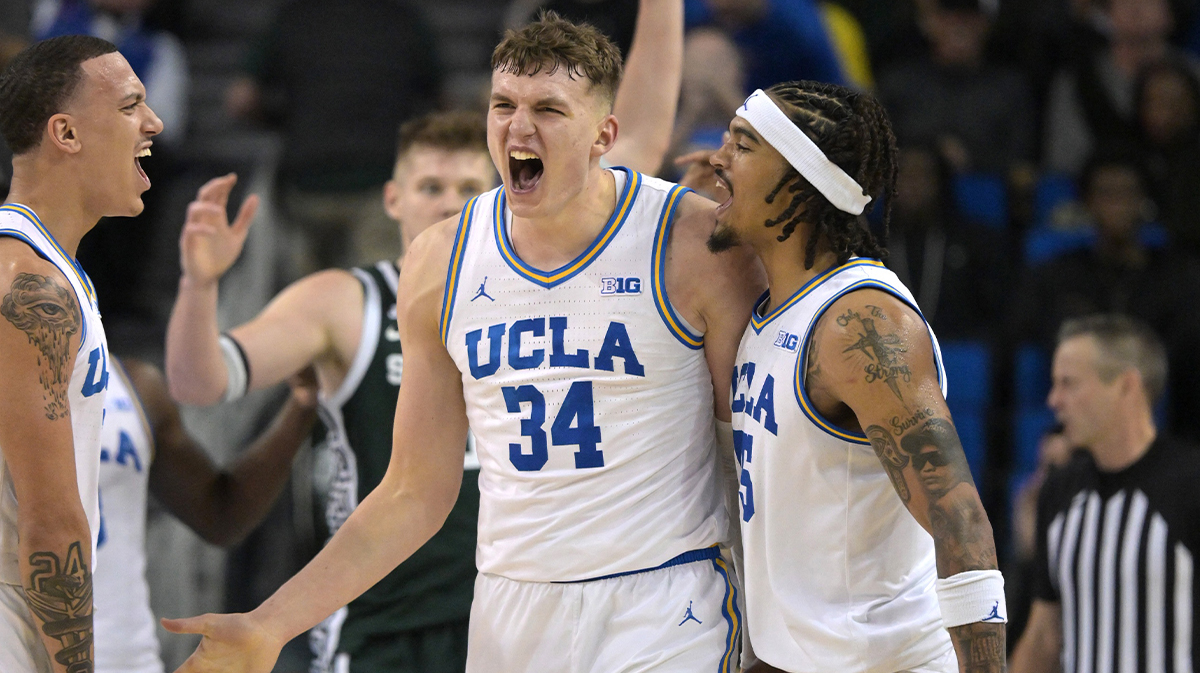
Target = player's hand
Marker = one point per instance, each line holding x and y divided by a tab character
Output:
209	244
700	175
230	644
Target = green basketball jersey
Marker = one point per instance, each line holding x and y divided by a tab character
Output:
435	585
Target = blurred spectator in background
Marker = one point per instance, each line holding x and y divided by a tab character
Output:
784	40
955	268
1168	113
1092	101
157	57
338	78
890	28
1121	273
979	115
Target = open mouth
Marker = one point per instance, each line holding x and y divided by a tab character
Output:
723	184
138	164
525	169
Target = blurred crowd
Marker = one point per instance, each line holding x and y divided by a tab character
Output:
1049	166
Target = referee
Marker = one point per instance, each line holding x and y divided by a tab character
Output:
1119	525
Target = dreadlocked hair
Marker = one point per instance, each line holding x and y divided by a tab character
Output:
853	130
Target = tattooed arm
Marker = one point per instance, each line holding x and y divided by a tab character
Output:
874	369
39	337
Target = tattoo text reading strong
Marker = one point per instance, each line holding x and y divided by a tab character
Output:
881	350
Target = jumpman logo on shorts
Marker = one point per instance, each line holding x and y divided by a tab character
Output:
995	615
482	291
689	616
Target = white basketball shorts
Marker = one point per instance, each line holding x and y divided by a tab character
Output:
681	617
21	649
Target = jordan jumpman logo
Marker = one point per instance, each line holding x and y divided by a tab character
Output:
689	616
995	615
482	291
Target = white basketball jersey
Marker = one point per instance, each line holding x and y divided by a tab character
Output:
89	379
839	575
124	624
589	398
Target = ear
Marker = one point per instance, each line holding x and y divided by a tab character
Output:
63	134
1130	382
606	136
391	199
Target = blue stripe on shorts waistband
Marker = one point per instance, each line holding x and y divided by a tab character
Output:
706	554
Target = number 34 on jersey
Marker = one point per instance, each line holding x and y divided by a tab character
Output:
574	425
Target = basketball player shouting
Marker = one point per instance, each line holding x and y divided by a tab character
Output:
585	372
838	361
75	117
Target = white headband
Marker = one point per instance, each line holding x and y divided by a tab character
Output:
803	154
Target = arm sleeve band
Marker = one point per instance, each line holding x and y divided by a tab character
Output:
972	596
237	369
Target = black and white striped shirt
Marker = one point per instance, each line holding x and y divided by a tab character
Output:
1115	550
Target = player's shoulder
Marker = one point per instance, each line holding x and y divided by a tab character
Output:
432	248
869	307
18	257
423	270
28	279
881	326
695	221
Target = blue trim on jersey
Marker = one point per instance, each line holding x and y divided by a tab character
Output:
454	272
733	616
21	236
805	403
549	279
706	554
28	214
658	273
759	323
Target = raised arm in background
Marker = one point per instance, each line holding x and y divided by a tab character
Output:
649	91
876	370
39	338
317	319
222	504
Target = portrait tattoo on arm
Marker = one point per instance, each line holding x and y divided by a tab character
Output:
959	526
60	596
881	350
49	316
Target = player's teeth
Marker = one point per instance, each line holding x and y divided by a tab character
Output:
144	153
522	156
